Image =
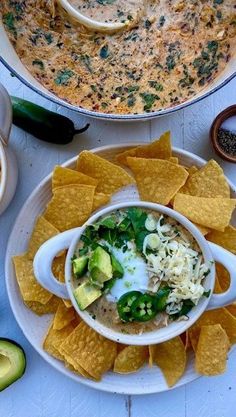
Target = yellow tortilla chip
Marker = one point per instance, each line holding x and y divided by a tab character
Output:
226	239
65	176
40	309
223	277
43	230
87	349
29	287
63	316
204	230
218	316
212	350
160	149
214	213
209	181
100	200
171	358
58	269
191	170
173	159
158	180
54	339
70	206
222	284
130	359
110	177
79	370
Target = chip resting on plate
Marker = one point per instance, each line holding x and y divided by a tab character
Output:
70	206
63	316
209	181
160	149
222	284
58	269
100	199
212	350
29	287
218	316
226	239
214	213
171	358
65	176
110	177
43	230
130	359
54	339
40	309
87	349
158	180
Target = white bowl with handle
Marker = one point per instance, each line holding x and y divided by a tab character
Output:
69	240
8	164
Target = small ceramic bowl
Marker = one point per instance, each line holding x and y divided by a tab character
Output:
69	240
224	115
9	171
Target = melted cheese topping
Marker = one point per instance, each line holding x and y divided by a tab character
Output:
175	49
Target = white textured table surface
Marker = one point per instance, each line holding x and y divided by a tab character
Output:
43	392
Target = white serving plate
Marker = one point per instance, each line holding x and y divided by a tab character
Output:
147	380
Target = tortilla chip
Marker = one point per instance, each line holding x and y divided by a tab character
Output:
100	200
158	180
43	230
87	349
204	230
174	160
226	239
130	359
54	339
171	358
214	213
222	284
209	181
218	316
212	349
79	370
160	148
191	170
40	309
223	277
29	287
70	206
65	176
110	177
58	269
186	340
63	316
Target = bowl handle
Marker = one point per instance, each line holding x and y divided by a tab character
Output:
227	259
44	258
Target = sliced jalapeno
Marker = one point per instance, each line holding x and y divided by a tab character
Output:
144	308
161	298
125	303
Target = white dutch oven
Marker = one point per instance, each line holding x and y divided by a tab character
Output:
69	240
9	171
10	59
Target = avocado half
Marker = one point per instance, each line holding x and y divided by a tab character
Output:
12	362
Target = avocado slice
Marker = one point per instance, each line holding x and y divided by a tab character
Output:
80	266
12	362
117	269
86	294
99	266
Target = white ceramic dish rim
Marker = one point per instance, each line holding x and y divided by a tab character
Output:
102	386
110	116
3	164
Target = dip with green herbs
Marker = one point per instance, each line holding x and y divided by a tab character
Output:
174	49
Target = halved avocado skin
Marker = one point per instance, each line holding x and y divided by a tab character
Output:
11	344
